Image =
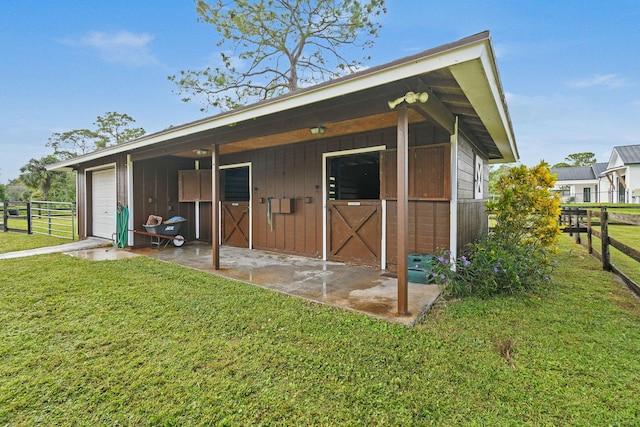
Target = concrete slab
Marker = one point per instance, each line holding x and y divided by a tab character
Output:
103	254
357	288
91	242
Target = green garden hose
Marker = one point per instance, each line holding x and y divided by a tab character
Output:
122	225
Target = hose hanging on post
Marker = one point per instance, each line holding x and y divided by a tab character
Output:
122	224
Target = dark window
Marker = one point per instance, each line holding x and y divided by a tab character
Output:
587	194
354	177
235	184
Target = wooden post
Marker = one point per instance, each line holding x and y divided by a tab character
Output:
29	224
215	206
403	210
604	229
577	212
5	216
570	222
589	235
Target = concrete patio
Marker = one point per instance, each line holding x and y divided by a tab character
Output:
356	288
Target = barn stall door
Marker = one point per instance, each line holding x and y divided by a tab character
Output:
354	209
355	231
235	206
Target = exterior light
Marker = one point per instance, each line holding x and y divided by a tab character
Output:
318	130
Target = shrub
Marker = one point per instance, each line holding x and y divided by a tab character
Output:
491	266
517	255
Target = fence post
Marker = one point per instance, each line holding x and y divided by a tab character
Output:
604	228
589	236
578	239
49	217
5	215
73	222
29	219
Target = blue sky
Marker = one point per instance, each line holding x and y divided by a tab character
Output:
570	69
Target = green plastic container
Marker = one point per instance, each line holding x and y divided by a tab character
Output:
419	268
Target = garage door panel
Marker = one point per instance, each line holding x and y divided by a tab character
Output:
103	193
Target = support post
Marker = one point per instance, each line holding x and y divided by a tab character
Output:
604	229
29	222
403	210
215	202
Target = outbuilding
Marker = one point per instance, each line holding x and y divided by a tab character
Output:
362	169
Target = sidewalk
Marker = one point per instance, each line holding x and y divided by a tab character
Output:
89	243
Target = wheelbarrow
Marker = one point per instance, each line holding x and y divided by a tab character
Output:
163	233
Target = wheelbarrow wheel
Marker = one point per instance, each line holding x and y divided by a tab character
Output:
179	241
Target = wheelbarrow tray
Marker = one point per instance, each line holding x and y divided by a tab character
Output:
171	229
163	234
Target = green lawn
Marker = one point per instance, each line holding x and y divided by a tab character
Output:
16	241
140	342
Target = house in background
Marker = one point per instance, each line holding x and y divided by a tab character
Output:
363	169
623	175
582	184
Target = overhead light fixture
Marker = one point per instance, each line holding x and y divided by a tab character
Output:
201	152
410	98
318	130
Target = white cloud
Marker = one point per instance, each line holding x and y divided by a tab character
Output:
610	81
121	47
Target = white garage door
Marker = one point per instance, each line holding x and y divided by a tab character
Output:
103	192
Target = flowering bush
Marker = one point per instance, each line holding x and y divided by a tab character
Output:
490	267
517	255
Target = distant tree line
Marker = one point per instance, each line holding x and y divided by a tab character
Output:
37	183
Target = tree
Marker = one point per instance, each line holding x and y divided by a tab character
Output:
72	143
36	176
3	193
276	46
113	129
17	191
577	160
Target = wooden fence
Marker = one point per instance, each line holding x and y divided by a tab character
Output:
578	221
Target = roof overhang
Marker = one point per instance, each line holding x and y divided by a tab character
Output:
463	75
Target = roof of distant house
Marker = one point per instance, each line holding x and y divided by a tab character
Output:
629	153
580	173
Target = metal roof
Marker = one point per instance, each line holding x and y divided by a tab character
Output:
630	154
580	173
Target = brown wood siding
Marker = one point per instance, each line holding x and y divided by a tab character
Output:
156	193
429	227
84	196
82	203
429	173
295	172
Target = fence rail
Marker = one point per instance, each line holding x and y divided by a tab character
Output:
574	219
41	217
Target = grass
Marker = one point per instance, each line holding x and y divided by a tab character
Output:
16	241
139	342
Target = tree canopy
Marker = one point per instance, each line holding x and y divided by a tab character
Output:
577	160
35	175
271	47
112	129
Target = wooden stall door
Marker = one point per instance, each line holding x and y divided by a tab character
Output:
354	231
235	224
